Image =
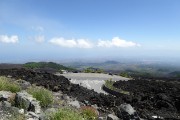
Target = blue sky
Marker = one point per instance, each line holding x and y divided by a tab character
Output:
43	30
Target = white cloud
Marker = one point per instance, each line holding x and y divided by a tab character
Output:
39	39
9	39
83	43
71	43
116	42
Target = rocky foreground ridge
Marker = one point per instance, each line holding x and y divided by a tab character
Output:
147	100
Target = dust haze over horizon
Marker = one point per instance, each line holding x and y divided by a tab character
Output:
55	30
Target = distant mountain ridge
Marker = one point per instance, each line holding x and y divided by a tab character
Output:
111	62
10	66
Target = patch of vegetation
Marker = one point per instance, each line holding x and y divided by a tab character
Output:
35	65
89	113
7	84
43	95
125	74
66	114
109	84
93	70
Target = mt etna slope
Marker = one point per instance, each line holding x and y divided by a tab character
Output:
149	98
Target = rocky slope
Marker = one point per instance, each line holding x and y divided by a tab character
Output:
149	103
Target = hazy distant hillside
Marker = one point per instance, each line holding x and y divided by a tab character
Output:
10	66
175	74
133	69
136	69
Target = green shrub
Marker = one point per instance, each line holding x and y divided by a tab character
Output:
7	84
66	114
124	74
109	84
89	113
41	94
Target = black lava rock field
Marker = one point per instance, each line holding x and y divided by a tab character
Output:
154	97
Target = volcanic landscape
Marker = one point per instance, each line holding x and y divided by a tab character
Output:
151	99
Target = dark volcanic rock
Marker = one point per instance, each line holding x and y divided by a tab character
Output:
153	98
47	80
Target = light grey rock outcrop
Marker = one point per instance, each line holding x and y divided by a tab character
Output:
7	111
5	95
27	102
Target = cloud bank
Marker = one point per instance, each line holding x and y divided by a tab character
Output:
116	42
83	43
9	39
72	43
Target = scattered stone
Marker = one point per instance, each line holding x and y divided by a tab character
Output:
74	104
95	106
86	102
34	115
9	76
100	118
50	110
24	84
127	108
157	117
31	116
127	112
112	117
66	97
6	104
21	111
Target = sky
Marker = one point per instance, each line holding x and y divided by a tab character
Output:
52	30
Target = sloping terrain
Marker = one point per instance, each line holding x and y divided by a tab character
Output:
161	100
